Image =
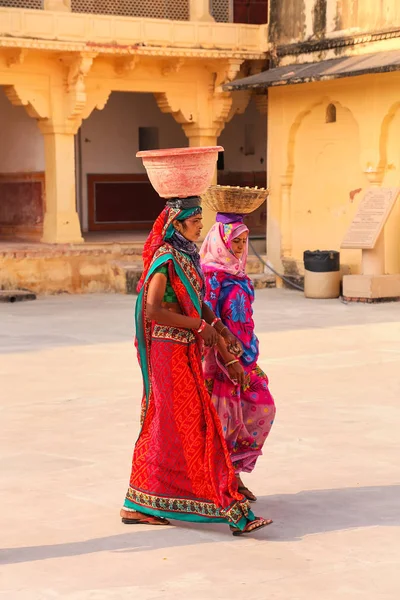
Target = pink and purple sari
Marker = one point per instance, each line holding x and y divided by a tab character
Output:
246	414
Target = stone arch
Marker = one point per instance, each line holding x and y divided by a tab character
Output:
311	192
296	126
384	135
389	168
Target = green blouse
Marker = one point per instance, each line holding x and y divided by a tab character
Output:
169	295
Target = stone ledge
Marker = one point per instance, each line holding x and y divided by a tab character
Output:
373	287
16	295
263	280
370	300
108	34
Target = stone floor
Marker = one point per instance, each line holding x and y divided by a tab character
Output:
329	477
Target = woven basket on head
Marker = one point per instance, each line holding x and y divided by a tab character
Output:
227	199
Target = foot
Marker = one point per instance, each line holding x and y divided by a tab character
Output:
258	523
242	489
138	518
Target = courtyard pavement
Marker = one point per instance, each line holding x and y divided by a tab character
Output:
70	391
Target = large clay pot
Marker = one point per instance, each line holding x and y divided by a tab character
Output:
180	172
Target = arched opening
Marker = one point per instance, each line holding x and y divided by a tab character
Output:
244	164
114	192
326	166
22	166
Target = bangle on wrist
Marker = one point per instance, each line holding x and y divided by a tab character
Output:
231	362
202	326
216	320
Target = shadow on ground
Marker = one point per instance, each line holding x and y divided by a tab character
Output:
295	516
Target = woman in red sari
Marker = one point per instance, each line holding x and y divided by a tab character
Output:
181	467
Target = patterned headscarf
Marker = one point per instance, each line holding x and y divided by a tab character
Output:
164	231
216	253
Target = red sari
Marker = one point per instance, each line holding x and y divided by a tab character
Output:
181	467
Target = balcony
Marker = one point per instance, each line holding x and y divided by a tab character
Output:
175	10
26	24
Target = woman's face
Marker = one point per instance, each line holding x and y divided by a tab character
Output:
238	244
190	228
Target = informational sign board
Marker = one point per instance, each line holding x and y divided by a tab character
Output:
370	218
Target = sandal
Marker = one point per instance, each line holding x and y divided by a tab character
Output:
255	525
143	519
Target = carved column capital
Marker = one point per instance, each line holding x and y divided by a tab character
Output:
35	102
177	105
77	67
125	65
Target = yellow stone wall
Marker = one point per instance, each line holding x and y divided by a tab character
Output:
62	66
316	168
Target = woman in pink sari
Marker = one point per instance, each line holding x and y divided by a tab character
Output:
238	387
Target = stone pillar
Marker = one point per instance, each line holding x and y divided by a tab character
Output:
204	137
61	221
57	5
200	10
286	220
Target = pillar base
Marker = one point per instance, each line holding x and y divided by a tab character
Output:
62	228
372	287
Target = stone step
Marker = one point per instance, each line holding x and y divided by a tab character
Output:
16	295
263	280
254	265
133	270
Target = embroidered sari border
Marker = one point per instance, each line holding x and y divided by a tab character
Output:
178	507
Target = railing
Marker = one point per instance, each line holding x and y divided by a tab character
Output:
32	4
222	10
176	10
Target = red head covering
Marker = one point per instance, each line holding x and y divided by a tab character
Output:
156	239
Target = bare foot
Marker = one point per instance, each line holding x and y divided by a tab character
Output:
242	489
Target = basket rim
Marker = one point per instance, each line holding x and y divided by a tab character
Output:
252	189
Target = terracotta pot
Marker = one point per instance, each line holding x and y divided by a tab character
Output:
180	172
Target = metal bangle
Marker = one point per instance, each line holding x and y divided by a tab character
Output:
231	362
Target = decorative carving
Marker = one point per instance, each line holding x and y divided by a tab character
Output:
16	56
173	67
102	49
226	72
35	101
168	102
213	106
96	99
126	64
78	67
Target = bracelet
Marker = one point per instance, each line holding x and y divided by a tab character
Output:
231	362
202	326
215	321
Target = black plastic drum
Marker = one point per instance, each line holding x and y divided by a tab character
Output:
321	261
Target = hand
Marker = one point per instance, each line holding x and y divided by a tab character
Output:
237	374
210	336
232	343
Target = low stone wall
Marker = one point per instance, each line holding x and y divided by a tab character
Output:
58	270
84	269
